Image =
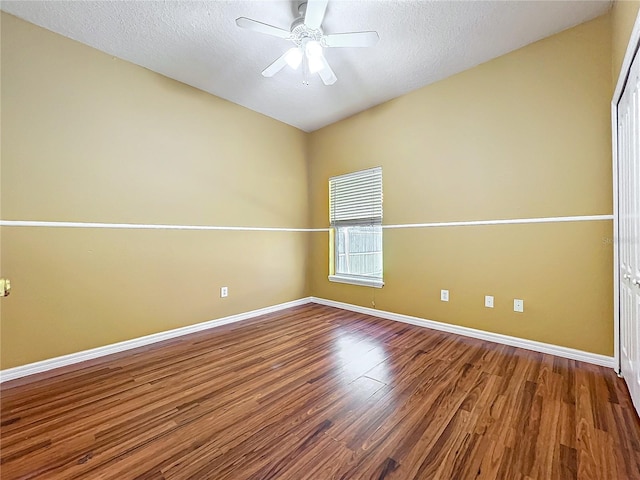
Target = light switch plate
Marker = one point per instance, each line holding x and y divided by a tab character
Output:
444	295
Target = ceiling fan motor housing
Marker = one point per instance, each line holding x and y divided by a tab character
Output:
301	34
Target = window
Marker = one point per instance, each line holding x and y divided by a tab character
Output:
355	213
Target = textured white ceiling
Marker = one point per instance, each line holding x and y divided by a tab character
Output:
198	43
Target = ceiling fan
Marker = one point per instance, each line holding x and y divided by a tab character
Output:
310	41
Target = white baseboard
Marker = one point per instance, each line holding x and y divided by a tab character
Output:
533	345
65	360
57	362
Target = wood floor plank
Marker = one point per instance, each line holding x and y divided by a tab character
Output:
315	392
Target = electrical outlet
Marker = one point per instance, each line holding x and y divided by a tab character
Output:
518	305
224	292
444	295
5	287
488	301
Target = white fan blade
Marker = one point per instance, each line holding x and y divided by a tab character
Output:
354	39
315	13
326	74
262	27
276	66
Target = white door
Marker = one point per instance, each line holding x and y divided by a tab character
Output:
629	230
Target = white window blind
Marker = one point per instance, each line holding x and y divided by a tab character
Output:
356	198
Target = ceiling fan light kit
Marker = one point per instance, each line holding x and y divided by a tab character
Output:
294	57
310	41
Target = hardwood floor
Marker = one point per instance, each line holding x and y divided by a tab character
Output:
320	393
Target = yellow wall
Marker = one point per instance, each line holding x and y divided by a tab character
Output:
90	138
524	135
623	16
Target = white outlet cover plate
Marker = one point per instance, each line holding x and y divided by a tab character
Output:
224	292
444	295
488	301
518	305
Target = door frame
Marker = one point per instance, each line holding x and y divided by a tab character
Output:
632	47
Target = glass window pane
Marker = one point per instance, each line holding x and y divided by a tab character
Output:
359	250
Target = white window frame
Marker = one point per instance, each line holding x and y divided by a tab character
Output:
361	207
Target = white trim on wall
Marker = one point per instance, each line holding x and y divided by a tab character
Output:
632	48
512	221
72	358
565	352
616	259
144	226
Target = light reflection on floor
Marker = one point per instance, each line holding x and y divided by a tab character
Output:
358	355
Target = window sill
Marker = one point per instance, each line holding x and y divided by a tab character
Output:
363	282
